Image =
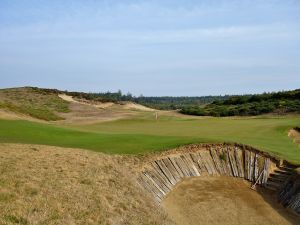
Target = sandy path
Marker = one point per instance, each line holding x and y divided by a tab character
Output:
223	200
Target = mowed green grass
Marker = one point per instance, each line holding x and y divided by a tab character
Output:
144	134
37	133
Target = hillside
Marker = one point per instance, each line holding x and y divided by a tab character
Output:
250	105
161	103
56	105
32	102
51	185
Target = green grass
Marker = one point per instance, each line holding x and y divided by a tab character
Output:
32	102
139	135
36	133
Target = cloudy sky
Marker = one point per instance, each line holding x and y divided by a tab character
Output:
155	47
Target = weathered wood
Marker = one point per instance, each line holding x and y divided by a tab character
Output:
256	169
238	154
193	165
205	162
186	165
266	171
251	175
226	151
192	169
174	163
196	160
152	187
232	161
165	170
156	183
210	162
162	175
171	168
183	167
155	176
201	164
216	161
222	156
144	185
246	165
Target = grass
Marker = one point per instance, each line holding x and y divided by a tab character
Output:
52	185
36	133
140	135
31	102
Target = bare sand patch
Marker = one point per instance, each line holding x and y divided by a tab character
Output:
86	112
224	200
132	105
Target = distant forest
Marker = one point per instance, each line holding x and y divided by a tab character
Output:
229	105
250	105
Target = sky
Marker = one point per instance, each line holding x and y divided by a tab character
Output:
154	48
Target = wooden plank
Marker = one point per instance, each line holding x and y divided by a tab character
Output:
188	165
196	159
172	169
144	185
266	170
158	179
165	170
260	167
238	154
256	169
205	162
152	187
215	159
249	165
222	156
210	162
232	162
251	175
191	164
182	166
162	175
201	164
246	165
226	151
155	182
176	166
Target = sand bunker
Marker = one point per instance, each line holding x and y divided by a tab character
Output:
223	200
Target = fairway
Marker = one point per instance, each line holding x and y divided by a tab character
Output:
144	134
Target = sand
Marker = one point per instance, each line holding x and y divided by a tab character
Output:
226	201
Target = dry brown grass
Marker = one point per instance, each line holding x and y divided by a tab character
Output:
52	185
295	135
32	102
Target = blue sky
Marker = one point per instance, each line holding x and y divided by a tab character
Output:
175	47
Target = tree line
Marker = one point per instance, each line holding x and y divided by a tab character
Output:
250	105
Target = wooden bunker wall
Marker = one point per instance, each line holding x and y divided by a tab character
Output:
161	175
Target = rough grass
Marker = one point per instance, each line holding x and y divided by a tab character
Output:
145	134
31	102
49	185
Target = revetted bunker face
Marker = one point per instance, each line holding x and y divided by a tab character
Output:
161	175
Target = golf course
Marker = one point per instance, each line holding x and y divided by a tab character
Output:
145	134
97	155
